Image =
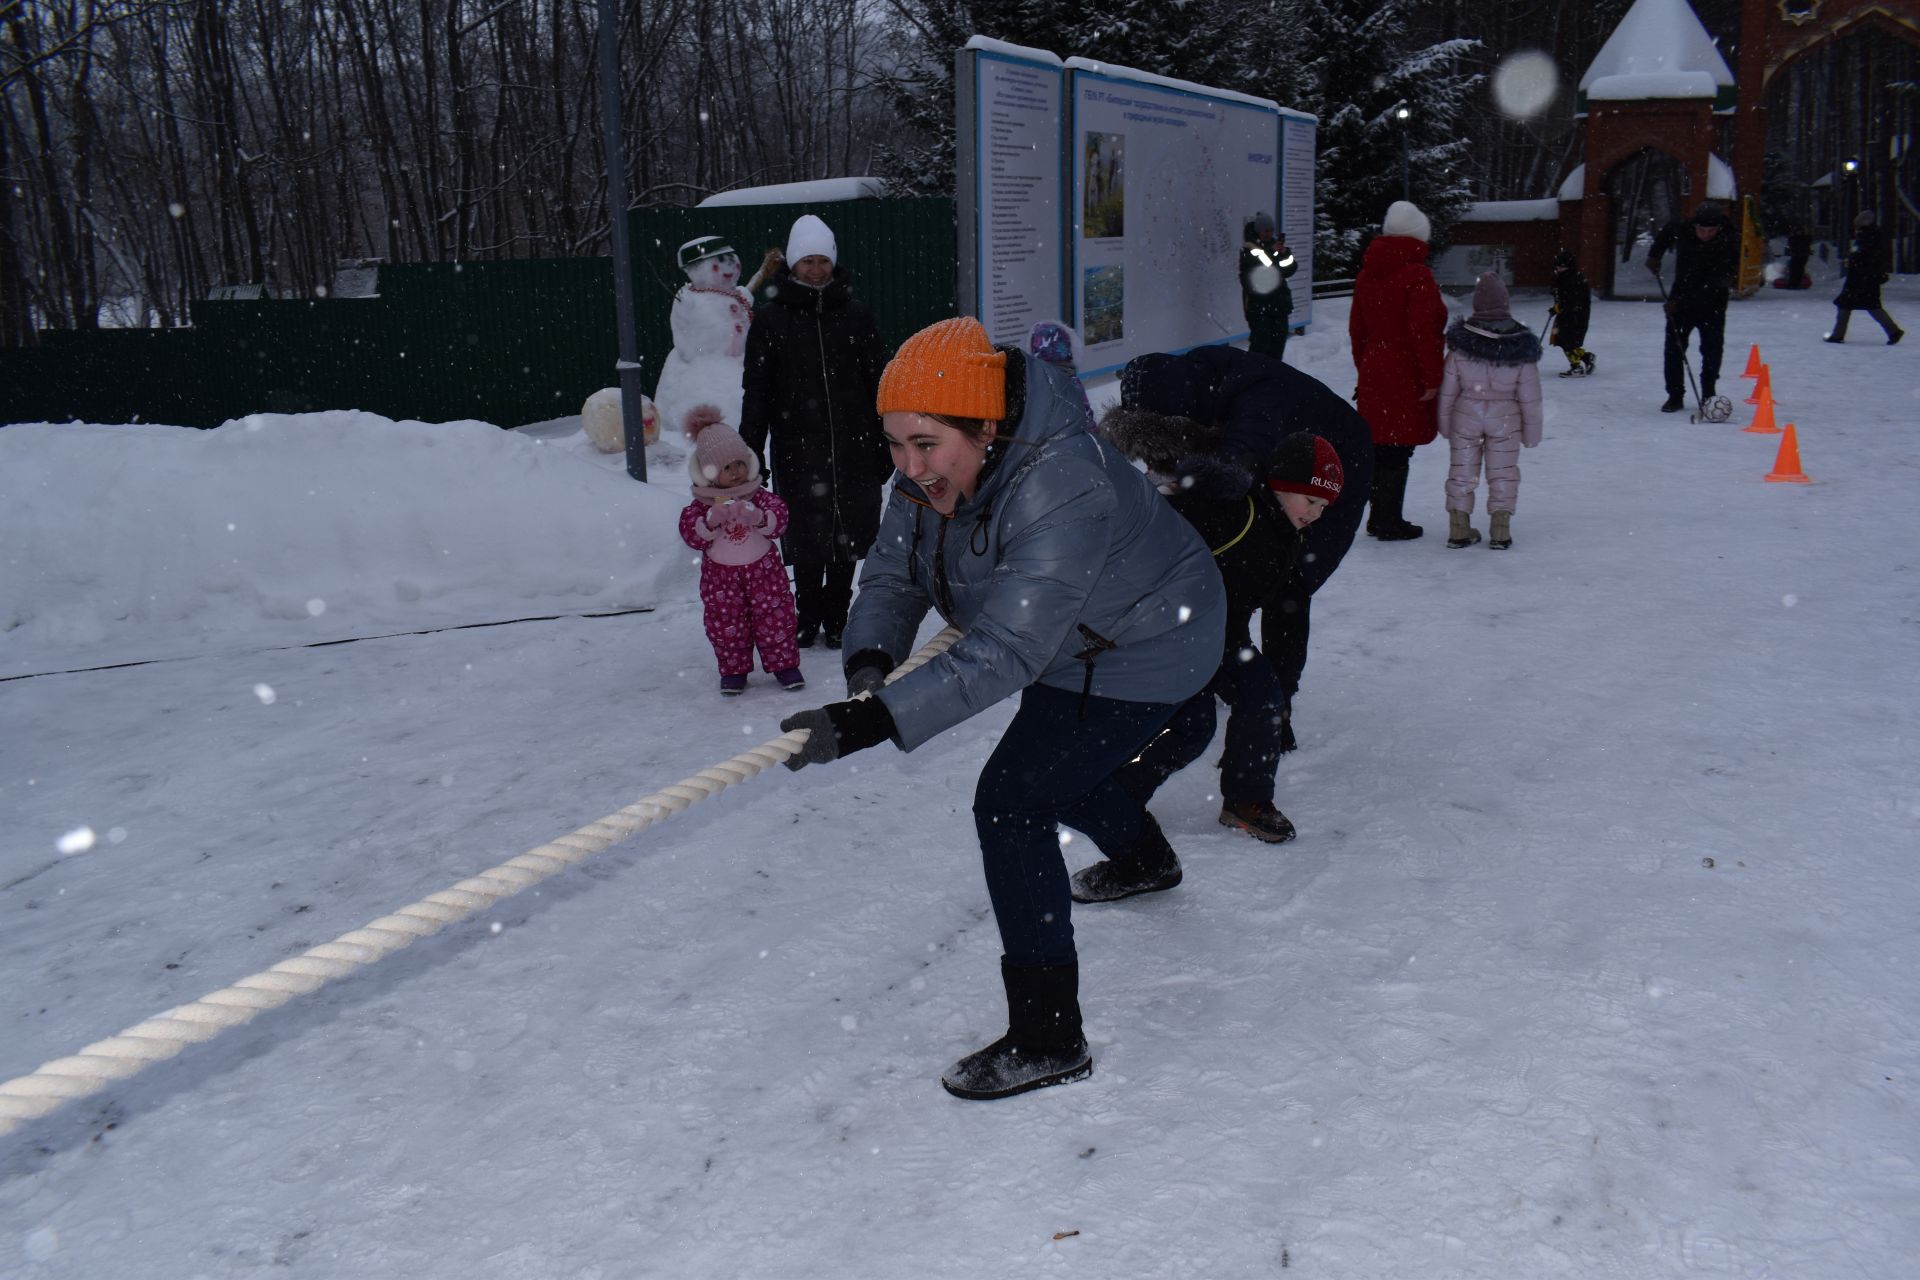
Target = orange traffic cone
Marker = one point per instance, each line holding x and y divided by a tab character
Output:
1764	387
1753	362
1786	464
1762	424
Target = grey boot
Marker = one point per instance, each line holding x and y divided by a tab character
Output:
1044	1043
1499	530
1460	530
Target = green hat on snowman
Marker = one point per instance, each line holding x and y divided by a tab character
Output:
703	248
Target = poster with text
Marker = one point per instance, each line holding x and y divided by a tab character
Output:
1297	134
1165	178
1008	183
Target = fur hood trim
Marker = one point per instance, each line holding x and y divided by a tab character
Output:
1176	447
1495	343
1158	439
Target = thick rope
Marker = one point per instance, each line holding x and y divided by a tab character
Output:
120	1057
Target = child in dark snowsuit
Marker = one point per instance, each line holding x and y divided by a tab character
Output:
1254	536
732	521
1572	309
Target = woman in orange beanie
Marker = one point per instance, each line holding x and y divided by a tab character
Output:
1075	586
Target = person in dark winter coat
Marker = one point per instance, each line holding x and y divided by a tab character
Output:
1866	272
1257	404
1254	535
813	362
1572	311
1706	255
1266	264
1073	585
1489	410
1395	325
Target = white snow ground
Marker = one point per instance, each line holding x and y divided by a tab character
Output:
1594	956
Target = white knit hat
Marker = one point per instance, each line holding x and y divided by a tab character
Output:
1405	219
810	236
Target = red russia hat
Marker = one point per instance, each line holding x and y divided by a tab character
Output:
1306	463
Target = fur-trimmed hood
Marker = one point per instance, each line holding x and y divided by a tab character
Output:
1495	341
1178	449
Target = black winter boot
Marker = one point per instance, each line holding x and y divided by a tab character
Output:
1044	1043
1384	520
1147	867
1261	821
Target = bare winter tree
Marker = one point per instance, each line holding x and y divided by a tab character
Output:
153	149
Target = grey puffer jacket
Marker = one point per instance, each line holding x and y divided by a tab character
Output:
1491	385
1063	551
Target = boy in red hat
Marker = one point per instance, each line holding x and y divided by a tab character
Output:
1254	535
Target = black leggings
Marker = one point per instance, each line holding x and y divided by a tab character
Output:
822	592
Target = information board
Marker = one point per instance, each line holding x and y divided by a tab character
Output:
1117	201
1008	184
1298	135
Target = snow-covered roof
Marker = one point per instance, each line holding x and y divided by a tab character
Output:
1659	38
1720	184
1652	84
818	191
1512	211
987	44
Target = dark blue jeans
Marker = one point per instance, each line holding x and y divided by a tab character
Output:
1256	701
1055	766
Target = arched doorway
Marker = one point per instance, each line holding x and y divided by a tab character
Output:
1645	191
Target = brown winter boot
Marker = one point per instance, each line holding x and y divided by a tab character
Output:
1499	531
1460	530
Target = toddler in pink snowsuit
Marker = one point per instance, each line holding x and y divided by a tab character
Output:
732	521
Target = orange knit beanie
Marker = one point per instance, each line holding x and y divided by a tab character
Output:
948	368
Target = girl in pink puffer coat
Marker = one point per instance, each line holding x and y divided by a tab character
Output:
732	521
1489	408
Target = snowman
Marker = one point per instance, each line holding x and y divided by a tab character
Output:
711	313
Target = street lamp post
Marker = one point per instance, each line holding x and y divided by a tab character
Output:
627	365
1403	114
1850	202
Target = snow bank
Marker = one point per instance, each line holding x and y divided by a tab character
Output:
146	541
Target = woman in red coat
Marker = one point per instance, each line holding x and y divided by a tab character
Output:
1398	326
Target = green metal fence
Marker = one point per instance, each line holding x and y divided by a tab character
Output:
899	252
502	342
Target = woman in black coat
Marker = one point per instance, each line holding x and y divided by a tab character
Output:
813	367
1866	272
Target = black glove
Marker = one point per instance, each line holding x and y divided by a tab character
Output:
839	729
866	671
1670	306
